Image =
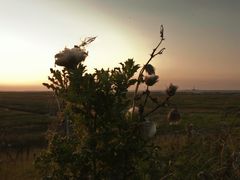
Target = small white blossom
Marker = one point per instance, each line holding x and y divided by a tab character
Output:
148	129
130	111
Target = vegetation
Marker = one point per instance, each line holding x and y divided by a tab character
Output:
102	131
24	120
211	113
107	136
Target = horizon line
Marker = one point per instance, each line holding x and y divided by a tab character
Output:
155	90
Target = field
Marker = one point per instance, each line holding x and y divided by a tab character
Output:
24	119
205	149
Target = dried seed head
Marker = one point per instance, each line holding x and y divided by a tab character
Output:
174	117
171	90
150	69
147	129
151	80
70	58
161	31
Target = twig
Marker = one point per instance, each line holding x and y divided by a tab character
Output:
166	176
152	55
146	98
158	106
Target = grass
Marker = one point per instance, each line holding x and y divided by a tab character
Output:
18	168
35	102
25	117
208	153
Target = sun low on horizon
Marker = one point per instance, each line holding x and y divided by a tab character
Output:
202	39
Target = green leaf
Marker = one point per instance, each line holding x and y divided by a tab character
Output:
132	82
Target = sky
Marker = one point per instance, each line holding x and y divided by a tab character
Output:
202	39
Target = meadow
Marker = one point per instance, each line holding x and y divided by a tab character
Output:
206	143
24	120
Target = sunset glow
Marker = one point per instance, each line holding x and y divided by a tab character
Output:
202	39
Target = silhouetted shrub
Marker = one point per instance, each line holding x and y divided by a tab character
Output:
105	134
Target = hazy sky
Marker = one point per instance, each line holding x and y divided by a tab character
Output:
202	38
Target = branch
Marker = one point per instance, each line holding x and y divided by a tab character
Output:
158	106
152	55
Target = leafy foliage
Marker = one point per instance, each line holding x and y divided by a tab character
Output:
99	139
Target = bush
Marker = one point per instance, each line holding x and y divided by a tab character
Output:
104	134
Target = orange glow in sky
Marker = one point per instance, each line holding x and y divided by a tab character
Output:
202	39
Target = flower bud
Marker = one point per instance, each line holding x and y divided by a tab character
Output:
174	116
171	90
70	58
147	129
150	69
151	80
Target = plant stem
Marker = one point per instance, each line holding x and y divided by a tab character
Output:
145	101
94	150
67	125
152	55
146	98
158	106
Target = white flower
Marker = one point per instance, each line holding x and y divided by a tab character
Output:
130	111
70	58
148	129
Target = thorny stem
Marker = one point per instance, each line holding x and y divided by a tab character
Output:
152	55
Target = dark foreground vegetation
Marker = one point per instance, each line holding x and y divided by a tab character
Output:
205	144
